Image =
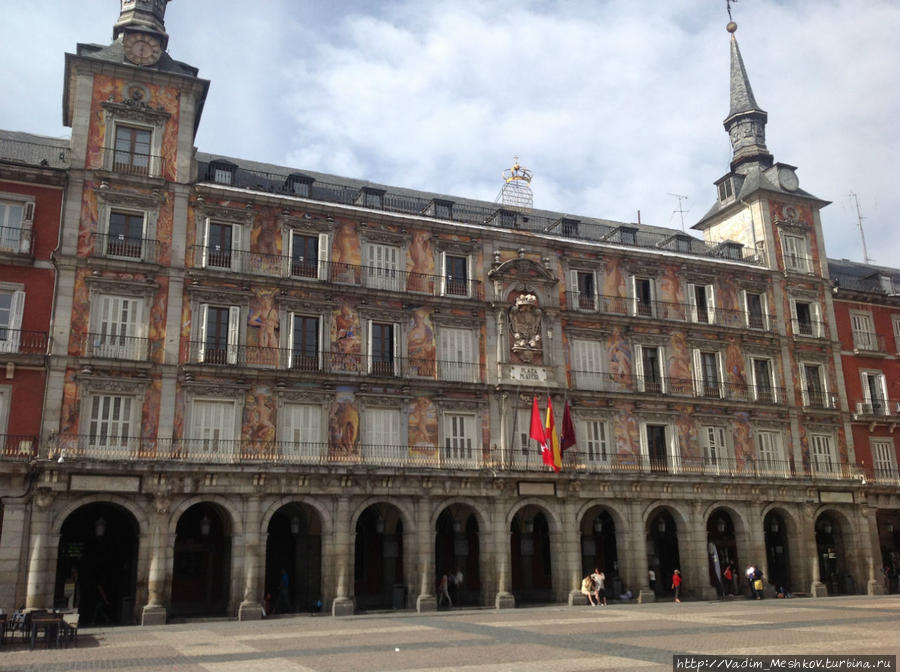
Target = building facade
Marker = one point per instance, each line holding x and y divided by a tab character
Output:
277	388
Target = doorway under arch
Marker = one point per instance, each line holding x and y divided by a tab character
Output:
532	577
598	548
832	552
662	550
457	552
379	580
721	547
201	572
777	552
294	560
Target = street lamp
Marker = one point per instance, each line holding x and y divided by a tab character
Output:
99	527
205	525
598	525
661	525
295	526
720	526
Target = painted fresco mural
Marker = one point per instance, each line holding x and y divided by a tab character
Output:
688	439
728	303
798	214
343	428
178	422
346	338
671	294
69	415
619	356
156	327
423	429
680	379
628	435
346	254
804	445
266	244
258	426
615	290
744	454
735	369
164	230
150	417
89	218
420	343
420	263
81	310
262	332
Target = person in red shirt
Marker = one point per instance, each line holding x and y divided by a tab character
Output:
676	585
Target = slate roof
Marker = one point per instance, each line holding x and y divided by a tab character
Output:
854	276
115	53
34	150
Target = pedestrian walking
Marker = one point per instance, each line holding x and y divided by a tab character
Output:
676	585
651	576
443	591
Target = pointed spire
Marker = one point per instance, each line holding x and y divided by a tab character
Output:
746	121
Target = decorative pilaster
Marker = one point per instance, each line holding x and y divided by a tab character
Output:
343	602
638	557
251	607
40	581
500	537
426	601
154	612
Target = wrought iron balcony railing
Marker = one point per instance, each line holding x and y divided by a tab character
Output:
602	381
880	408
283	266
18	446
23	342
127	162
868	341
116	346
17	240
116	246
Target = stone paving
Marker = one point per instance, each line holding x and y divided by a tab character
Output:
559	638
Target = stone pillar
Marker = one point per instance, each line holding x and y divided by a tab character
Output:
343	557
570	551
13	543
254	556
41	578
638	559
426	601
695	564
868	536
154	612
500	536
817	588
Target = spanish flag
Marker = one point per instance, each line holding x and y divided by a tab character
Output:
552	455
536	431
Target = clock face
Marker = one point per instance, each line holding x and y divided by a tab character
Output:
142	49
788	179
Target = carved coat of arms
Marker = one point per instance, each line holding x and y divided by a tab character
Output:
525	327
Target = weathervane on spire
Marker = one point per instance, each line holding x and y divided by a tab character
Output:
732	26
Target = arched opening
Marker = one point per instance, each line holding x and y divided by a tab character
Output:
598	548
777	554
532	579
96	564
888	522
832	554
201	573
379	579
294	560
662	550
457	554
721	548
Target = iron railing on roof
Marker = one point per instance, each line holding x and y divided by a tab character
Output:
34	153
484	215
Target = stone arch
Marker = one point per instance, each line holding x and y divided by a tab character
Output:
619	518
785	560
324	515
138	512
736	514
385	549
460	552
439	507
234	515
550	513
672	508
407	517
841	567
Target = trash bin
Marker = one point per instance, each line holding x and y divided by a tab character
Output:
399	596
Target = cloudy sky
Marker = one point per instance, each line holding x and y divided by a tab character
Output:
614	104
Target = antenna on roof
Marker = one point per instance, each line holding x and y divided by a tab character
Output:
862	235
680	209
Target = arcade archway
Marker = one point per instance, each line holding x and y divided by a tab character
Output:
777	551
201	573
662	550
378	574
832	553
457	553
598	548
294	560
532	577
721	547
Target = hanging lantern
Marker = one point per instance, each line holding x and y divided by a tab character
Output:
99	527
826	527
379	525
720	526
205	525
661	525
295	526
774	527
598	525
529	526
457	527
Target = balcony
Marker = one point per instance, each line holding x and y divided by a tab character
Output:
113	346
818	399
132	163
868	341
305	361
601	381
798	263
17	240
336	273
18	447
878	408
23	342
668	311
126	248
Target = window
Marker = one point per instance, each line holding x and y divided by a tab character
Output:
897	333
117	329
459	438
212	430
309	255
587	364
372	199
821	454
768	445
583	288
299	185
381	435
708	379
383	349
864	336
457	358
796	254
812	379
763	382
874	388
125	234
12	304
642	296
111	422
656	447
754	312
443	209
301	433
648	366
596	442
15	225
703	303
884	458
682	244
305	353
132	150
628	236
455	281
383	271
715	450
219	334
806	319
221	245
726	190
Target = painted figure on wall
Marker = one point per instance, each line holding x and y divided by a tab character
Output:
614	287
620	360
735	371
420	263
423	428
688	442
81	307
258	426
671	294
628	436
262	336
681	381
744	455
150	418
266	244
156	329
343	430
729	313
346	341
346	254
89	218
420	346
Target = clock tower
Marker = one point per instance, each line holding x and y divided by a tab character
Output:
142	30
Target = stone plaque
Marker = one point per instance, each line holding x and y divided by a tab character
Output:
530	488
528	374
105	483
836	497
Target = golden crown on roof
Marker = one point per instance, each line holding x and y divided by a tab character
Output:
517	172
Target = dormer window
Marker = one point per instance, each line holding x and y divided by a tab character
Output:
627	235
299	185
682	243
443	209
726	190
569	227
371	198
221	172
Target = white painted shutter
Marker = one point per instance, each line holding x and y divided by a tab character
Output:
575	303
288	270
692	303
721	368
698	373
711	303
201	350
369	355
745	307
443	274
816	313
234	327
16	308
320	345
804	385
236	247
324	248
290	342
639	366
634	295
795	322
663	370
204	252
395	334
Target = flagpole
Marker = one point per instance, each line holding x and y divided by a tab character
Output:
512	443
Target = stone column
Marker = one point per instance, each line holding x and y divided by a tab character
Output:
426	601
808	541
868	536
254	556
343	557
570	551
638	559
500	536
695	563
154	612
41	578
13	545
